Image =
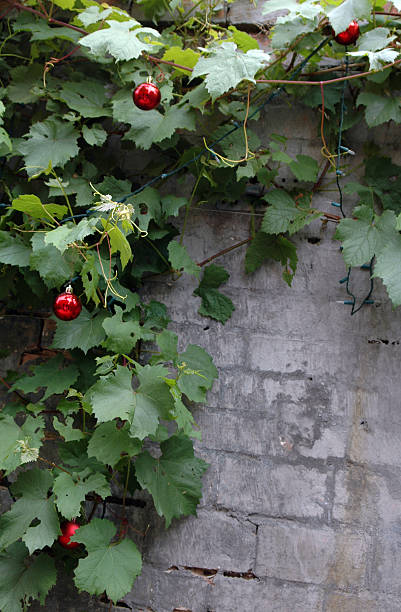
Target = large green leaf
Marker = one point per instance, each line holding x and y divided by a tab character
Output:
265	246
109	566
124	40
341	16
34	506
122	336
46	259
198	373
31	205
68	233
388	268
214	304
89	102
84	332
180	260
70	490
112	396
365	235
49	141
152	401
51	376
13	250
22	580
109	443
174	480
225	67
19	444
380	108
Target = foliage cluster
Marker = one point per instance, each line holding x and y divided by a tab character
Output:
85	198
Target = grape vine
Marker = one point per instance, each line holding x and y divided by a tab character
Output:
88	150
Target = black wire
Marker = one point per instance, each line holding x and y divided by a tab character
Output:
366	300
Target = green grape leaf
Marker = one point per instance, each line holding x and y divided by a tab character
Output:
31	205
90	278
122	336
34	505
387	267
183	57
109	443
84	332
244	41
67	429
112	396
49	375
13	250
95	136
66	234
377	58
305	168
185	420
89	102
119	243
66	5
341	16
380	109
109	566
375	39
225	67
22	580
19	443
285	33
174	480
167	342
198	373
40	30
49	141
46	260
180	260
152	401
124	40
365	235
95	13
6	145
24	83
265	246
151	199
155	127
171	205
70	490
308	9
214	304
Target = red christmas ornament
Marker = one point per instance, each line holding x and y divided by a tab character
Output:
68	529
147	96
350	35
67	306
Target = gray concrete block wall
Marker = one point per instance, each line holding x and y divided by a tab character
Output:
302	501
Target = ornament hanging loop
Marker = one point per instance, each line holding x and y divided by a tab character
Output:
68	289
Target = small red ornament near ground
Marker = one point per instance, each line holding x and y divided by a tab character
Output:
350	35
67	305
147	96
68	529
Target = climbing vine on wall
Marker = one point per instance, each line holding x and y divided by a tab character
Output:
101	118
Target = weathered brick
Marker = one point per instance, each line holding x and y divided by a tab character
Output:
289	551
240	595
255	486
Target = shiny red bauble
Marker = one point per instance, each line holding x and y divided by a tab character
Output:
67	306
68	529
350	35
147	96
